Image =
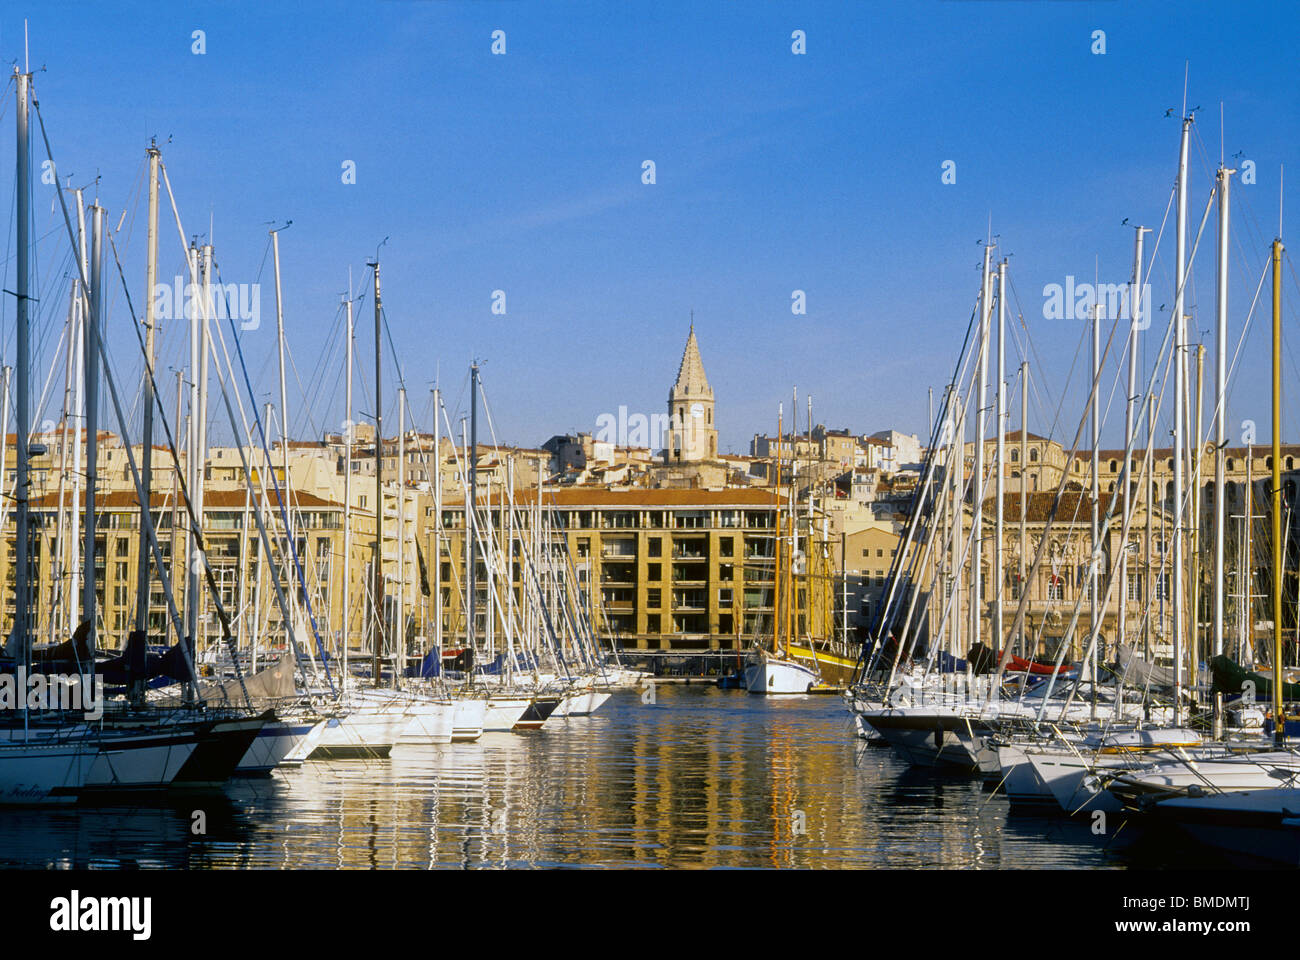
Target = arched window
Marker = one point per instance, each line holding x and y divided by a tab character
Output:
1033	455
1015	455
1231	465
1114	466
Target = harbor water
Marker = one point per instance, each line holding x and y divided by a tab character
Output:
699	778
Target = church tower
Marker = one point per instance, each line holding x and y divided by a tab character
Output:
691	433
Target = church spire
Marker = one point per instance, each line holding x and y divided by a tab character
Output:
692	383
690	408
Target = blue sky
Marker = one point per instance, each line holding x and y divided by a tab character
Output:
775	172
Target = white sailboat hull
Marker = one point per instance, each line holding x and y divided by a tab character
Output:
274	744
431	722
374	722
503	713
467	722
774	676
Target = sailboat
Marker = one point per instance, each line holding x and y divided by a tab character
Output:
773	670
374	718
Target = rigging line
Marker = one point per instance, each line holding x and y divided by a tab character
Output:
112	389
1038	384
328	364
1022	606
288	548
226	398
1241	342
283	497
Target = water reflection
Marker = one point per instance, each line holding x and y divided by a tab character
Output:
700	778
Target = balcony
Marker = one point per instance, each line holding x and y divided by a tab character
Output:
690	572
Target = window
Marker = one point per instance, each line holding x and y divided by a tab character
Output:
652	623
653	571
652	597
656	547
1033	455
725	572
1135	587
1055	588
692	519
724	596
726	546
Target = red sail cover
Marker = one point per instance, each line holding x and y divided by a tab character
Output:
1021	665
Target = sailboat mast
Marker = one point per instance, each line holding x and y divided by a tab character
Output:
1151	573
1095	426
436	560
57	568
378	598
1130	409
287	501
399	663
1220	424
977	478
1248	568
1194	637
471	511
958	499
197	491
1024	489
777	623
23	427
146	449
192	445
176	480
998	575
347	486
1279	717
1180	418
88	600
79	404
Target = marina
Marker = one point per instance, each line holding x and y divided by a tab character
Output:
515	437
665	786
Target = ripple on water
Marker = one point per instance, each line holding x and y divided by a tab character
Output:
701	778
